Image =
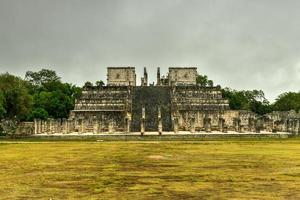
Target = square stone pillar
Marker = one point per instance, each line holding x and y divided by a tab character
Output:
251	124
207	124
42	126
160	127
298	127
68	126
275	127
175	124
142	126
295	126
192	125
127	122
51	126
64	126
143	121
225	129
257	126
221	124
242	129
95	126
286	124
111	127
39	126
35	126
81	126
237	124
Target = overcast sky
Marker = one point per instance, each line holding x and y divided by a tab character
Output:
242	44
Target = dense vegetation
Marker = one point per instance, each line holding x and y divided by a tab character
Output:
40	94
43	94
255	100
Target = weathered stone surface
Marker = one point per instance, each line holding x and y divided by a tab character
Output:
175	103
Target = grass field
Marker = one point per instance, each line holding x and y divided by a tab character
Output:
151	170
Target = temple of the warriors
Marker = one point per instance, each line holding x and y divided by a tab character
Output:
174	103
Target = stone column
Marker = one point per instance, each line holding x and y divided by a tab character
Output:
286	124
39	126
81	126
111	126
128	123
159	120
257	126
275	127
207	124
68	122
272	125
100	126
47	126
221	124
251	127
192	124
175	124
294	126
51	126
290	126
237	125
58	126
95	126
42	126
298	127
35	126
64	126
242	129
143	121
225	129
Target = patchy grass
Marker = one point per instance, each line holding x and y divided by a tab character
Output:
151	170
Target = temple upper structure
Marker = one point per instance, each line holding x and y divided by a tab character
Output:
121	76
182	76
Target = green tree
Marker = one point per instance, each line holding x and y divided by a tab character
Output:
2	104
16	100
254	100
99	84
87	85
287	101
42	77
38	113
203	81
52	98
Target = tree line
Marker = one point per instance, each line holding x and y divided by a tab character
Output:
255	100
43	95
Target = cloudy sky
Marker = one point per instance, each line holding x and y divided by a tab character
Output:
242	44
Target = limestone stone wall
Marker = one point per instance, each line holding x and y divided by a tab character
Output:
182	76
121	76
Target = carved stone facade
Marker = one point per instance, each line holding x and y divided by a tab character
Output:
121	76
176	103
182	76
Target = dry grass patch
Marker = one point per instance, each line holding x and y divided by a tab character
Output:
148	170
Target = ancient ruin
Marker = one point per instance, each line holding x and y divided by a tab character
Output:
175	103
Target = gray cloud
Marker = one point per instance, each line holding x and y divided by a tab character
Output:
242	44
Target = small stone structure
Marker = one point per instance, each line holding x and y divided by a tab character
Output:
175	103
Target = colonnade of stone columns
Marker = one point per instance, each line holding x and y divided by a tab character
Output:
51	126
66	126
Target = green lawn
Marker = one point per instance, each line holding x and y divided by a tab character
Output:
151	170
